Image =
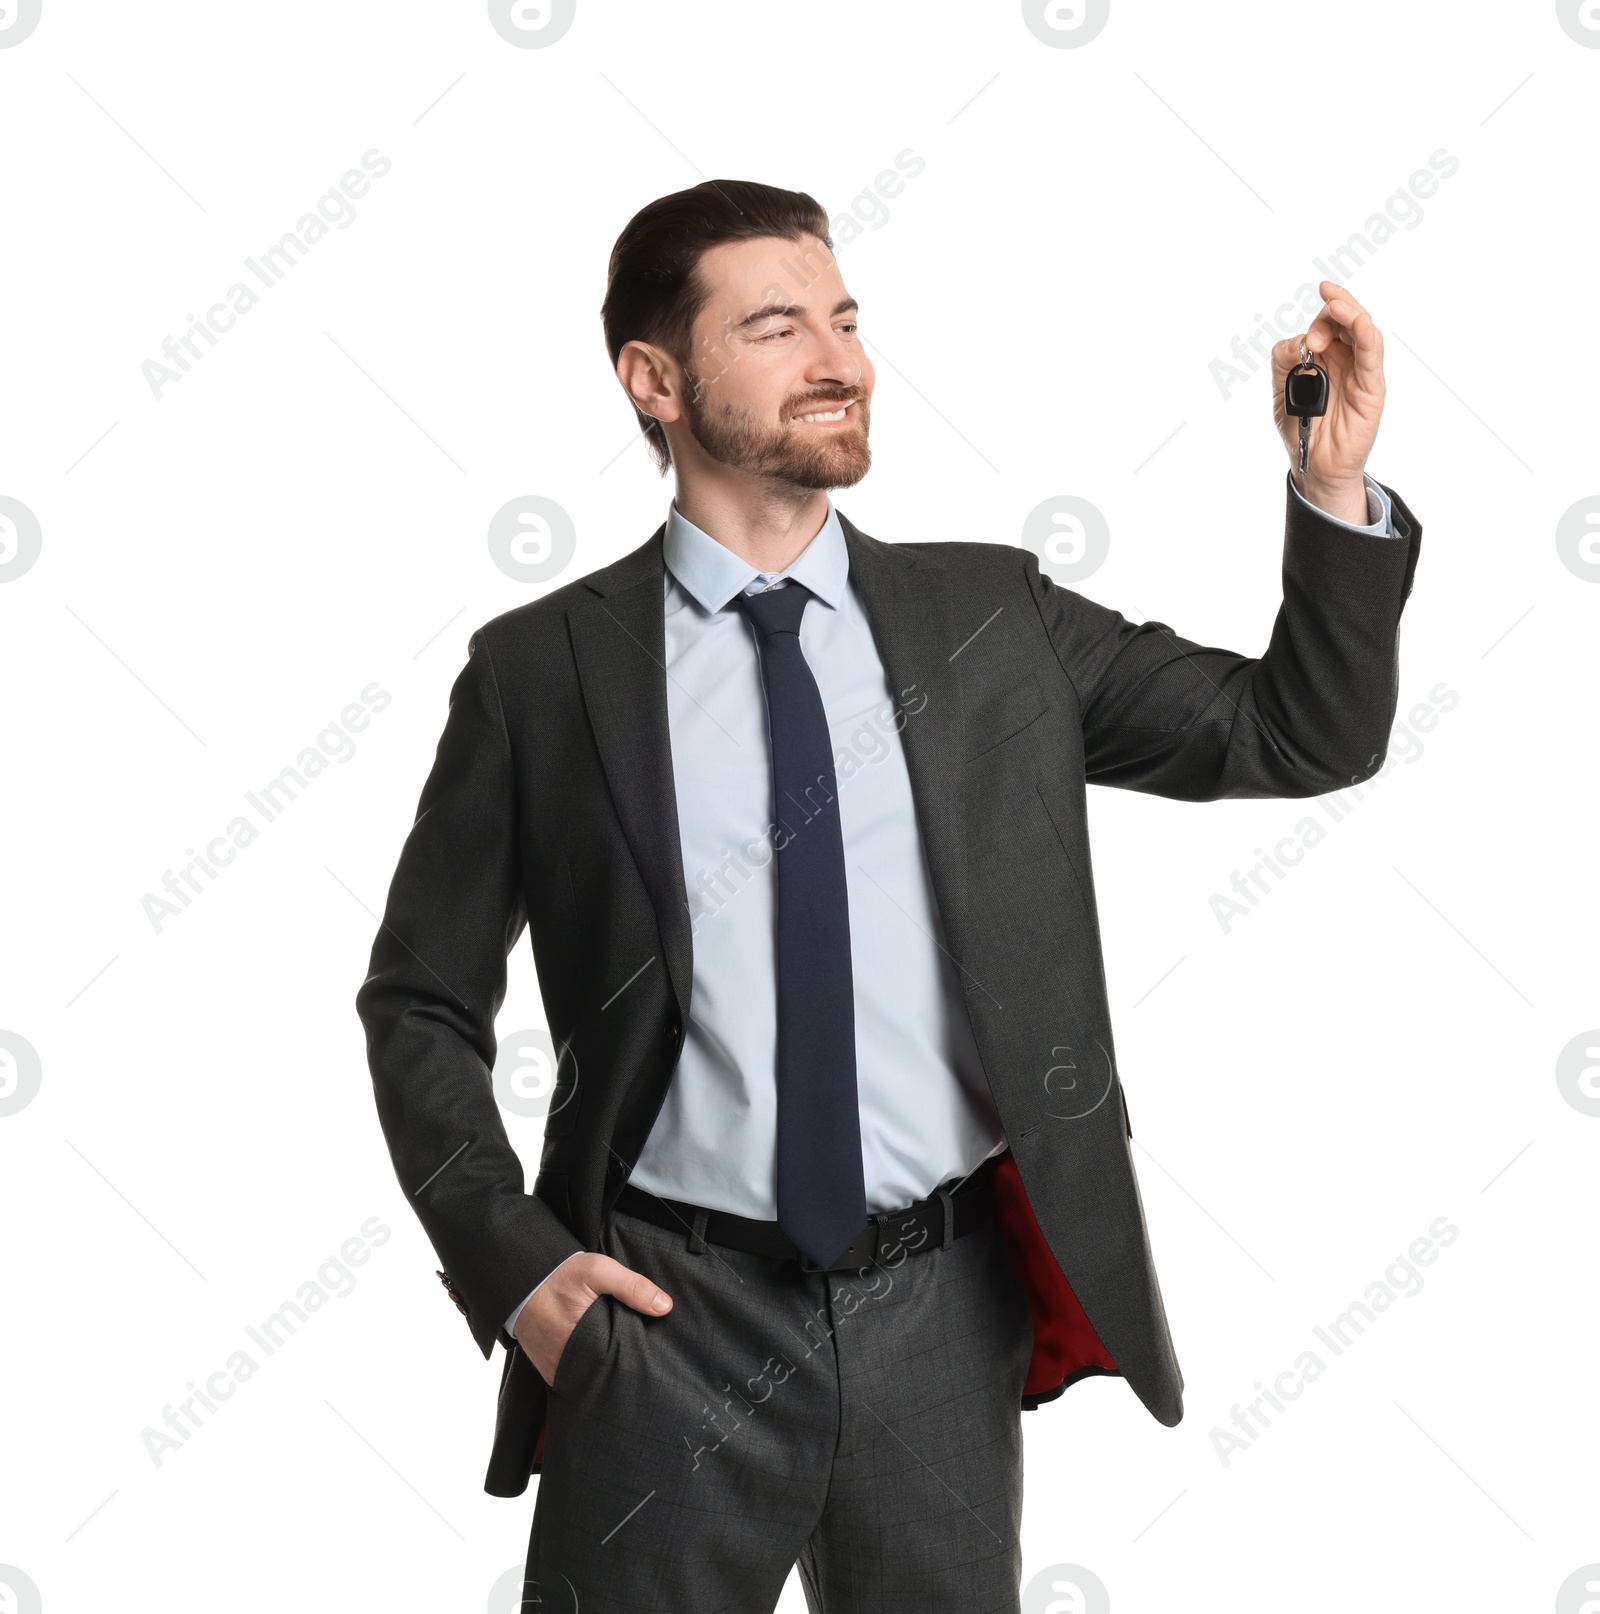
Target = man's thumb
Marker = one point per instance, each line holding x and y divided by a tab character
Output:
636	1290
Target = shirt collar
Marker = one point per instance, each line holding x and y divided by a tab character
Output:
713	574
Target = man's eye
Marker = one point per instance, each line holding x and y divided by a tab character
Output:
851	328
771	335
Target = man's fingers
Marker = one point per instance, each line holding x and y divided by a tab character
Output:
1339	310
1367	341
1285	357
1331	290
1344	320
1327	328
632	1288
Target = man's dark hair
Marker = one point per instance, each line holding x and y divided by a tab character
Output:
654	292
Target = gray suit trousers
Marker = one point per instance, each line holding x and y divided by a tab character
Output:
864	1424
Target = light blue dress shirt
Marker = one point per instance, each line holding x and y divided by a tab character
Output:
926	1110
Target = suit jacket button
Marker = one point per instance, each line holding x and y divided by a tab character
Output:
671	1032
450	1289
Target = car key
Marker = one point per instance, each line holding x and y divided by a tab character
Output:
1305	394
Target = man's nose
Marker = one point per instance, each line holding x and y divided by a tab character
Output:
837	363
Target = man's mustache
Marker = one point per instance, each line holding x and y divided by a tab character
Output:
810	406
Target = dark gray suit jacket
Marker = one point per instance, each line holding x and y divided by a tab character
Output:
550	808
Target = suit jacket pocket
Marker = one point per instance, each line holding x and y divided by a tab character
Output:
996	718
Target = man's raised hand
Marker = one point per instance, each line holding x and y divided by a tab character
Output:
1346	343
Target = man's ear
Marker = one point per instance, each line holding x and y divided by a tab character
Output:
652	380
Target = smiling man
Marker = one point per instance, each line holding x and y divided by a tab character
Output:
836	1179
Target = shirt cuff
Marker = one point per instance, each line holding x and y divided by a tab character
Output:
1379	509
511	1321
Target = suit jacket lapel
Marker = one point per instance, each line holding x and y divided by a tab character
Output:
908	603
619	643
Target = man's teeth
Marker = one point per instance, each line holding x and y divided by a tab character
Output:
837	414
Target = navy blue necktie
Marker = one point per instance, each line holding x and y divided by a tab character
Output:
822	1202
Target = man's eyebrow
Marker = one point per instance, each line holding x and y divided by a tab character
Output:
793	311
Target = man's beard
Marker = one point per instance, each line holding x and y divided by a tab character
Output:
827	458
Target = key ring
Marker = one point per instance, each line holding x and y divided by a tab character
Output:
1306	360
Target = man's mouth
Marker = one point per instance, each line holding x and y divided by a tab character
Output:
829	417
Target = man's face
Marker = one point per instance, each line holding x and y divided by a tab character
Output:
778	382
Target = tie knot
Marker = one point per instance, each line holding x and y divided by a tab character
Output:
776	610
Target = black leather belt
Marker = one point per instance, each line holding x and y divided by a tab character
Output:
931	1223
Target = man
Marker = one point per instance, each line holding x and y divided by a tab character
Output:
836	1176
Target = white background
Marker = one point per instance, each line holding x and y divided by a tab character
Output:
223	570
